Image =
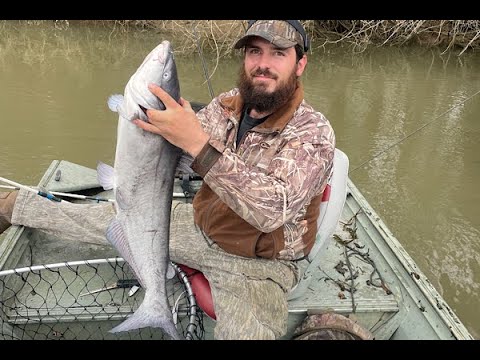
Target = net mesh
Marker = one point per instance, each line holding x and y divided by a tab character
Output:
56	302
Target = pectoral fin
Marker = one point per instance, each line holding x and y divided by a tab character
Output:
114	102
105	175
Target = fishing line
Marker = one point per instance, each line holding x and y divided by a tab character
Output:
205	71
414	132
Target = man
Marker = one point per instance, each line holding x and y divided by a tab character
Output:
265	156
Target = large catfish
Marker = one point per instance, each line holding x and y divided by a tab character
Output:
142	180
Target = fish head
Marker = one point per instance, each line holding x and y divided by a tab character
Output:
169	77
159	67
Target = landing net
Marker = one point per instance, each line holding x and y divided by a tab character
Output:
53	302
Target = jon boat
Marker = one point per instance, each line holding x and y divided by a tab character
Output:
358	280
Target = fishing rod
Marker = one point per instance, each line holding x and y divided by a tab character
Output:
52	195
414	132
205	71
44	194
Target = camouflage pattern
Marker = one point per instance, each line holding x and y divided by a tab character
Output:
64	220
270	178
280	33
249	295
238	284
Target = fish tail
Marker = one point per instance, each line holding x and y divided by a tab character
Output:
150	314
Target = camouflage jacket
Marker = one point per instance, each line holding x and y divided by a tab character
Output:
261	197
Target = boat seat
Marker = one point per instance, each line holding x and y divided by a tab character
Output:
201	290
331	208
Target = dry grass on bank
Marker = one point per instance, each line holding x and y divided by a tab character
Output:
446	34
219	36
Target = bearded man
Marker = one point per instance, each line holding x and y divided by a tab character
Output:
265	156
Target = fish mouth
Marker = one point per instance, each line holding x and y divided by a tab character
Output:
143	109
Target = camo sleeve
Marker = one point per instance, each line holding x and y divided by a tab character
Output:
213	149
277	192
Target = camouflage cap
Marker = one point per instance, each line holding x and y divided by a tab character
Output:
281	33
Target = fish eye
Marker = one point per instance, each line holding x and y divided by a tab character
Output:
166	75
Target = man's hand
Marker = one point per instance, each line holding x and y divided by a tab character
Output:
177	123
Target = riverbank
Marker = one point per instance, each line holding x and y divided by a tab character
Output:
218	36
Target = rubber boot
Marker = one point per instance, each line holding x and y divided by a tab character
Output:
7	200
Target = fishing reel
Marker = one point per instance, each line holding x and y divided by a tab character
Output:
190	183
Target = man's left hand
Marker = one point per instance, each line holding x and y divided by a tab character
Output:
178	123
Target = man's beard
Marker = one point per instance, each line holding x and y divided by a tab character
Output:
255	96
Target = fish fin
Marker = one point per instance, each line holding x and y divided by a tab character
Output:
185	163
170	271
151	313
116	237
114	102
122	204
105	175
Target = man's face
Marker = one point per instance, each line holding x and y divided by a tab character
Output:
269	76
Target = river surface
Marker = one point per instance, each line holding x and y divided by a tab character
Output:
408	118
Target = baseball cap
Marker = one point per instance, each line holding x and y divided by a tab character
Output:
281	33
